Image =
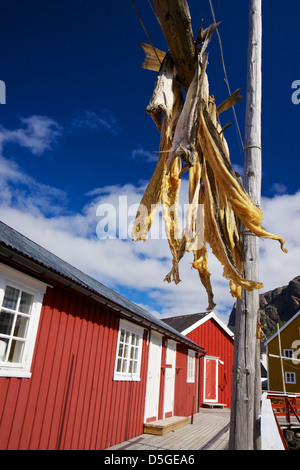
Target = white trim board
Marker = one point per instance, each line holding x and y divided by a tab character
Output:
207	317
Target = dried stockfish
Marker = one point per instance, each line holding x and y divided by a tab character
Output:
204	35
216	154
170	205
218	202
232	100
195	228
151	199
185	135
214	234
201	265
164	94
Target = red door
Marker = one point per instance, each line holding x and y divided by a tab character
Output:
211	379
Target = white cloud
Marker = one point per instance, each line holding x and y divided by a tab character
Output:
23	192
37	134
282	216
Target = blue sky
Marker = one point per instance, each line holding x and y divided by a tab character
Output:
74	135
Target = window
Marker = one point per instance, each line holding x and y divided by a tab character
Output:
20	302
129	351
191	366
288	353
290	377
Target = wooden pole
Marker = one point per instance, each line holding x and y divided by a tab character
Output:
175	21
246	394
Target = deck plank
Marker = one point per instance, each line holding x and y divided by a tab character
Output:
208	424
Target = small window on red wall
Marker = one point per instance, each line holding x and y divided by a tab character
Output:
129	351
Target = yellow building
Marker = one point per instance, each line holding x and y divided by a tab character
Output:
283	353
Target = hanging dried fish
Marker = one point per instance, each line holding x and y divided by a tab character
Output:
195	222
164	94
185	137
204	35
229	102
201	264
170	205
214	233
216	154
218	202
150	202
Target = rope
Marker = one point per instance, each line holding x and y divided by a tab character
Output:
225	73
148	37
253	147
154	11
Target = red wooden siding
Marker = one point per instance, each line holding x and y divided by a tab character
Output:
219	344
185	392
71	401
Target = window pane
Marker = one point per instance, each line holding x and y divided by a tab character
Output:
16	350
120	353
3	347
10	298
6	320
26	302
124	365
119	365
21	327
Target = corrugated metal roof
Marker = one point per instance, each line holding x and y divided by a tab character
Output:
30	250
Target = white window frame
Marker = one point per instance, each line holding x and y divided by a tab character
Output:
21	281
132	329
190	376
288	353
290	377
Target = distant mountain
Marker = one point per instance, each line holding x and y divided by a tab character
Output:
276	306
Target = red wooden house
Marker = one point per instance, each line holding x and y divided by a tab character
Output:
215	368
80	366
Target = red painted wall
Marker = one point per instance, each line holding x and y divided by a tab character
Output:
71	400
216	342
184	392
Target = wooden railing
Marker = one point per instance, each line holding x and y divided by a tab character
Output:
285	406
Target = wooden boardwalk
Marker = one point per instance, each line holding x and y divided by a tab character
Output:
209	431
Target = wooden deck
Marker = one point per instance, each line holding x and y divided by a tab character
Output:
209	431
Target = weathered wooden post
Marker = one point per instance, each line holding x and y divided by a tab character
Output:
244	432
175	21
